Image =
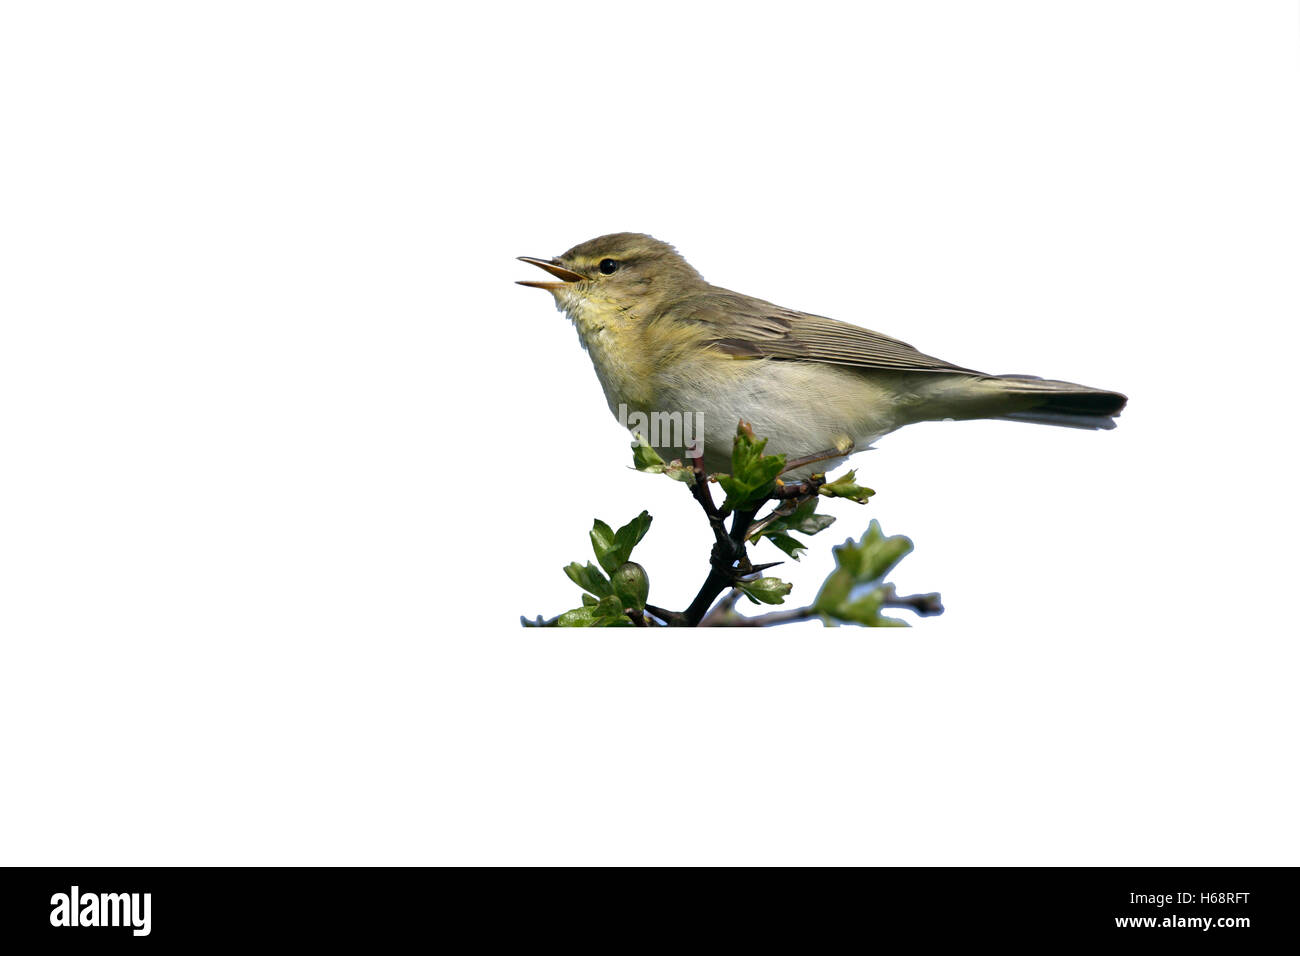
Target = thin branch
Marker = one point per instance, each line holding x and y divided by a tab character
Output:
671	618
925	605
785	616
723	608
799	489
727	548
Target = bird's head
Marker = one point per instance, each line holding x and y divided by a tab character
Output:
625	273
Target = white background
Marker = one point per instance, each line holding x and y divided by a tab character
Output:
286	453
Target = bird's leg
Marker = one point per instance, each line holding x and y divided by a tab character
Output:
842	447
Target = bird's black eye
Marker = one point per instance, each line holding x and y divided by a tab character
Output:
608	266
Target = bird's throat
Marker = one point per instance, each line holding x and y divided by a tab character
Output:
611	338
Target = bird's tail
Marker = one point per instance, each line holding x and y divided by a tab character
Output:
1048	402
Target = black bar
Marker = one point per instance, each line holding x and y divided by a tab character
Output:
1228	907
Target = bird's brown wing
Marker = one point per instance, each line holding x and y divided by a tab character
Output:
751	328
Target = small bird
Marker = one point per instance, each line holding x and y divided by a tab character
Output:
665	341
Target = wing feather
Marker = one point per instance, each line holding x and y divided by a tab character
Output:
751	328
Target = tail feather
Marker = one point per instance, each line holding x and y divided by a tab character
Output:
1062	403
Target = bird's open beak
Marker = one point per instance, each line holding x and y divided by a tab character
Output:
558	271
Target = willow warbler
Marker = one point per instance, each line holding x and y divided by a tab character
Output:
665	342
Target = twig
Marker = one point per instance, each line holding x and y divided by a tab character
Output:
671	618
765	620
728	548
639	617
724	607
925	605
799	489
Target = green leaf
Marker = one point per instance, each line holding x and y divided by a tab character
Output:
863	610
605	613
588	578
883	621
791	546
753	474
610	613
645	458
866	609
629	536
765	590
602	542
873	555
615	547
846	487
804	518
835	591
860	564
578	617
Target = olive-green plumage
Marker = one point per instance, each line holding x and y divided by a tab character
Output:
662	339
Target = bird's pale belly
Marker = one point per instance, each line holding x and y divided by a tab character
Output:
801	408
